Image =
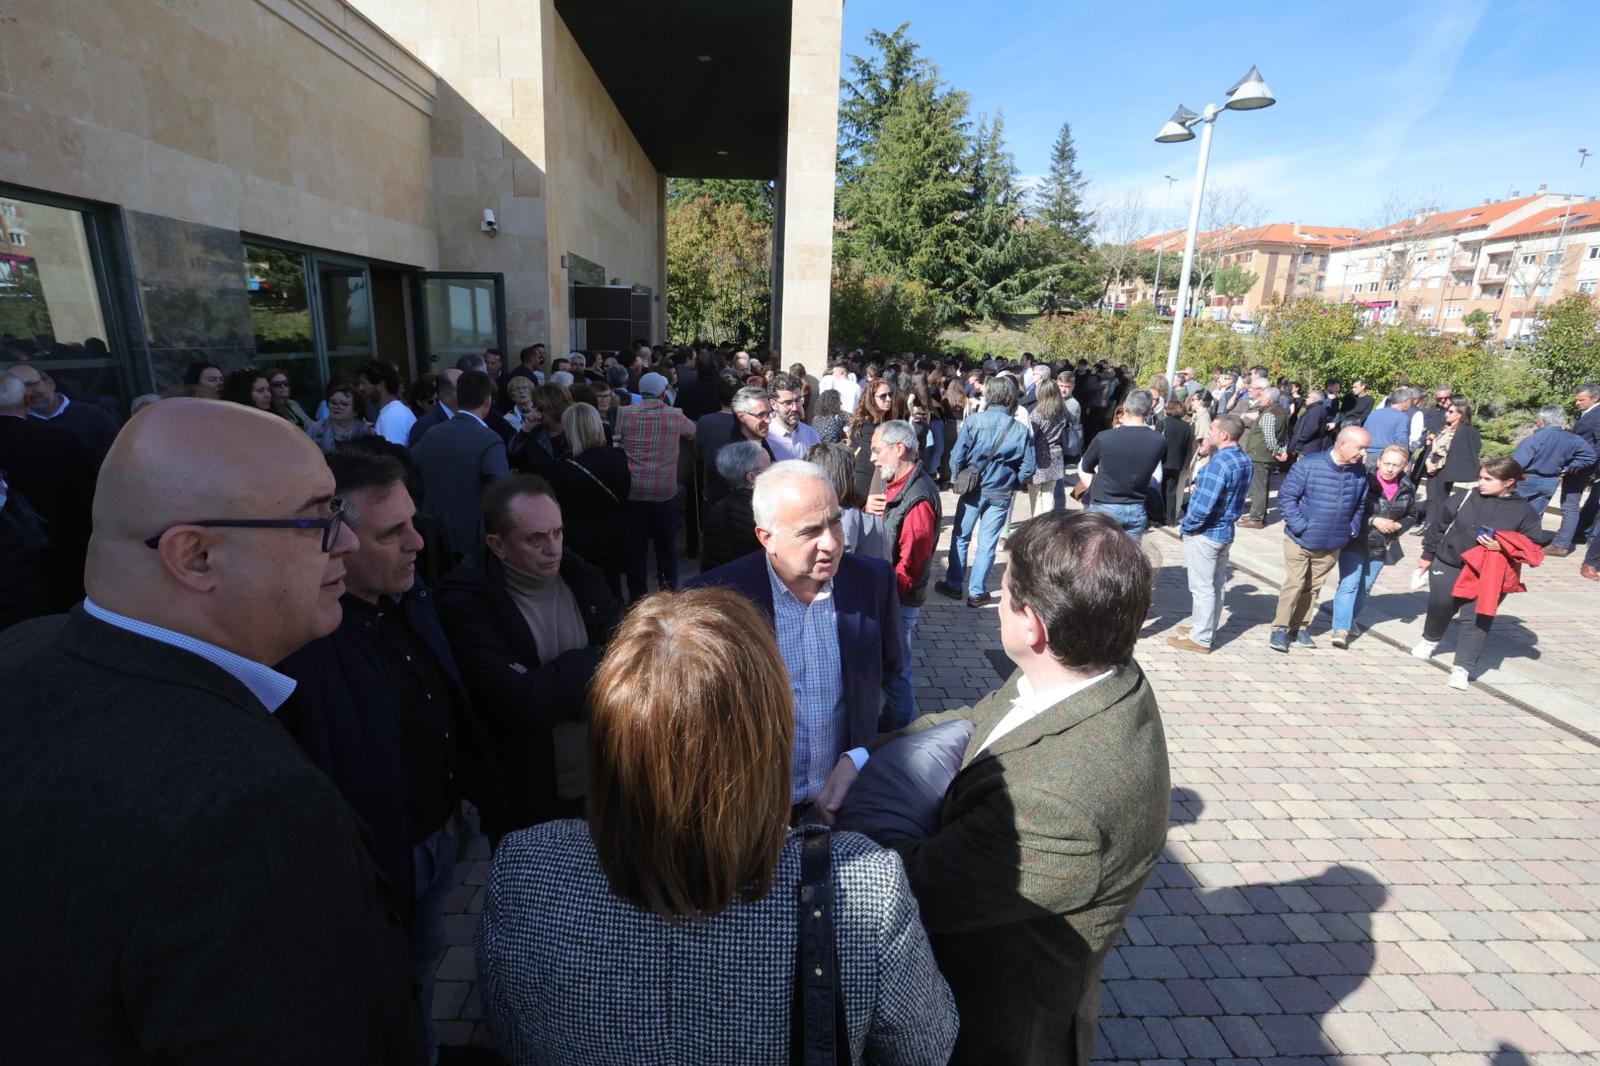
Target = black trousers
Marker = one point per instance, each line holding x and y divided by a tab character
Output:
1444	604
1260	481
1438	496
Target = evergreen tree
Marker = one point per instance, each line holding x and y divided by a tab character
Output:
870	94
1001	267
754	195
1058	201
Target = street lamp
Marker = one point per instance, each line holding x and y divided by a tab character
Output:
1161	242
1249	93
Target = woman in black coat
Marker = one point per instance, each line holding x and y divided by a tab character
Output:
1391	500
1180	442
1452	459
592	488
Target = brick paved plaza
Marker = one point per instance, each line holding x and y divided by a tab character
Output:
1363	865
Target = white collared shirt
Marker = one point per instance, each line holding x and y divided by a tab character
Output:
264	683
1030	704
472	416
65	403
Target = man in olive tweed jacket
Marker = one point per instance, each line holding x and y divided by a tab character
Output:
1059	811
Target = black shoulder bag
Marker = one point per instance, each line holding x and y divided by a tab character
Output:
970	479
819	1035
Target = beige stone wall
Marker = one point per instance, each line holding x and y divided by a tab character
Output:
808	181
608	202
488	142
294	119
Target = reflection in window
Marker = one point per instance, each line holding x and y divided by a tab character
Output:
460	317
50	310
280	317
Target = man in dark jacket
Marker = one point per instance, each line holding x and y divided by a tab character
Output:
1323	505
380	707
1356	405
52	471
1264	444
195	890
93	426
730	525
528	625
1548	454
909	505
1311	434
1583	521
457	459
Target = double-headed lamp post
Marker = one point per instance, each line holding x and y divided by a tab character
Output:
1249	93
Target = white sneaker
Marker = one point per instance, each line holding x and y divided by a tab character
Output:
1459	679
1424	649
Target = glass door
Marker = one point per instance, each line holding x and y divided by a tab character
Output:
462	314
344	294
281	319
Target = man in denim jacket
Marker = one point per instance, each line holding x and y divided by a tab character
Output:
1001	448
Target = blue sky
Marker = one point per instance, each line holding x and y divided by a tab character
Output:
1455	101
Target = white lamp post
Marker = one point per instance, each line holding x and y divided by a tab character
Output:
1249	93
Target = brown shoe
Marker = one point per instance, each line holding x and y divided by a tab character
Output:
1185	644
1251	523
1558	551
1183	630
1590	572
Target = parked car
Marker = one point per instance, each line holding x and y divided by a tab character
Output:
1245	325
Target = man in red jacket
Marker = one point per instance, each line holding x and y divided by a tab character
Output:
909	505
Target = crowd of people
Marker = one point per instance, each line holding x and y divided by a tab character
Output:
300	646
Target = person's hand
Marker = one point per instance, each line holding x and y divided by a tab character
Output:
877	504
836	787
1385	525
1283	456
1489	544
1423	564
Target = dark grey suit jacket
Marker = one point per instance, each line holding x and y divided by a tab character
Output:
183	885
457	459
1045	841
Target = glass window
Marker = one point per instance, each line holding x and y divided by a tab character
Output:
1546	288
50	301
460	317
1453	311
280	318
1586	286
346	318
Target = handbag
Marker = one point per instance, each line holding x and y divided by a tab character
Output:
818	1035
594	478
970	479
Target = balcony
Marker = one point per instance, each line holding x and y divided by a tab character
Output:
1495	272
1462	263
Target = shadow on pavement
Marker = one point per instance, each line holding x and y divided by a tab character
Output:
1245	971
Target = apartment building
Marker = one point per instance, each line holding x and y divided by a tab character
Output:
1505	257
1288	259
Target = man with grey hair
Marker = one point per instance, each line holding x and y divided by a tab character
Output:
996	453
1120	462
1579	523
835	615
750	419
1389	425
909	506
1263	443
787	436
1548	454
729	527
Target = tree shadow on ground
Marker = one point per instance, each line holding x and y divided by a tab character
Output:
1219	971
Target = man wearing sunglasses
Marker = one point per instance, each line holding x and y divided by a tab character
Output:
195	889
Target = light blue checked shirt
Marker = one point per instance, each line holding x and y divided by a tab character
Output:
808	640
264	683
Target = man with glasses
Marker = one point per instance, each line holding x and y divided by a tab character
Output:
752	421
93	426
195	889
787	436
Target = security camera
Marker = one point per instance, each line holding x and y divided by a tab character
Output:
489	225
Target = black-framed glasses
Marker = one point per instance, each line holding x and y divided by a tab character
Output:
329	525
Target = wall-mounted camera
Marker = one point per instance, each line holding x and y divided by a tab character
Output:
489	225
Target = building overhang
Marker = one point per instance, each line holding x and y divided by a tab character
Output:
703	84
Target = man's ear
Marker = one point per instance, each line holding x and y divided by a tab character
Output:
764	536
185	555
496	545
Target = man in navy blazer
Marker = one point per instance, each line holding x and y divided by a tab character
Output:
803	579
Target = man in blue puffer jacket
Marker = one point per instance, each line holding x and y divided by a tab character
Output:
1322	501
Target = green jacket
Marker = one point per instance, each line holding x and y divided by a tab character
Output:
1044	844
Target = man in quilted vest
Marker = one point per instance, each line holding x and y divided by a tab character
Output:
1321	501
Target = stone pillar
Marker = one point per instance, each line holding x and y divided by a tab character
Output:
803	270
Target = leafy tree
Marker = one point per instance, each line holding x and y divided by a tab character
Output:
1566	344
1058	201
755	196
1233	281
23	312
878	311
1479	325
718	272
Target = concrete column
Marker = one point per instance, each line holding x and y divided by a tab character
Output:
804	230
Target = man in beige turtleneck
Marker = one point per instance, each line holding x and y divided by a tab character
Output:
527	626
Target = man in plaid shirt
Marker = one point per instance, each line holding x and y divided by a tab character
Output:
649	432
1221	492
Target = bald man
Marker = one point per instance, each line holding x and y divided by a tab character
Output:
184	886
1322	500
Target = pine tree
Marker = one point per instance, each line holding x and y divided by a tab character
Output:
870	94
1058	202
754	195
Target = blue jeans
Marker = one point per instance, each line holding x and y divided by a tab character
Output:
935	449
653	522
899	693
1572	486
1538	491
433	866
988	514
1357	574
1132	517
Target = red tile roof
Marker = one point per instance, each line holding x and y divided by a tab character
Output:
1443	222
1548	222
1295	233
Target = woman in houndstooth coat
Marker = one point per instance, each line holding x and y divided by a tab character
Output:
663	929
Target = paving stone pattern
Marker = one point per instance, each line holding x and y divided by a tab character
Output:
1363	866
